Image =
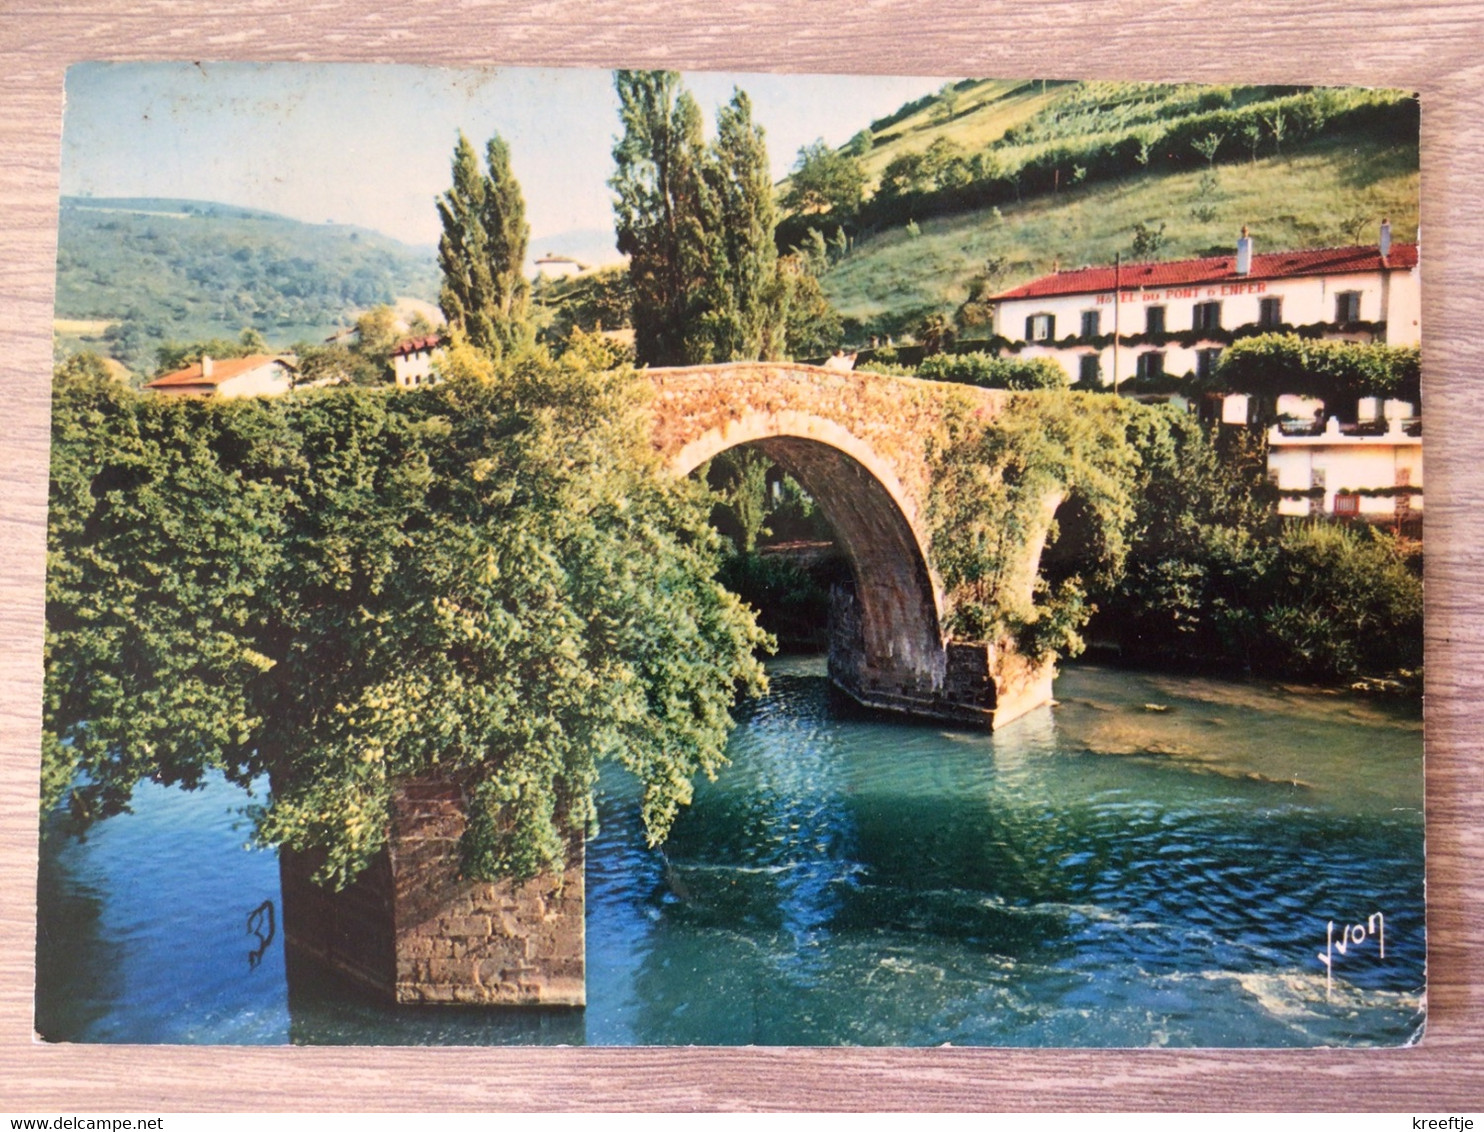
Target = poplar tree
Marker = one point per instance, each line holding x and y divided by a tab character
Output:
665	214
483	249
745	296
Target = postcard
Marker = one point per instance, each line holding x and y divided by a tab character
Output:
554	556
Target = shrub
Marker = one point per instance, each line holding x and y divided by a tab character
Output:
1338	600
990	372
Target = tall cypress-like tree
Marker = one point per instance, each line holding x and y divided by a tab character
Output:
485	293
745	308
665	214
697	222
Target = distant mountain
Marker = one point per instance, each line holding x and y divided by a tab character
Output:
135	272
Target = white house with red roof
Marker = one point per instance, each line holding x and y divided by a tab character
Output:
412	361
257	375
1126	321
1150	320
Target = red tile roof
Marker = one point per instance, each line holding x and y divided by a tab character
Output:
1217	269
413	345
221	370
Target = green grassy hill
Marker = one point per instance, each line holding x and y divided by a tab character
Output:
983	111
1016	178
133	273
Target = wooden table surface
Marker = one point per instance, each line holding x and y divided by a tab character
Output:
1430	47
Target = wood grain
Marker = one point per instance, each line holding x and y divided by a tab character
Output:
1428	47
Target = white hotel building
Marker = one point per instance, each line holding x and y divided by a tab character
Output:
1143	320
1140	322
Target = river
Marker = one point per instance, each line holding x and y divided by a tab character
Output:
1156	860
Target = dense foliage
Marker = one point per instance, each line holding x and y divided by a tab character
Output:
1335	372
976	368
1165	544
993	485
990	372
590	302
1215	578
488	579
485	295
826	180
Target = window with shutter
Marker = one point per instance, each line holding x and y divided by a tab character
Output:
1154	320
1092	324
1040	328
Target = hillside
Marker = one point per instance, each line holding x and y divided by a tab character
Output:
193	270
890	281
987	184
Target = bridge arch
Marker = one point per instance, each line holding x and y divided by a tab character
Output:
888	632
862	445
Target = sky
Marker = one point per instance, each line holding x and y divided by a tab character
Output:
371	145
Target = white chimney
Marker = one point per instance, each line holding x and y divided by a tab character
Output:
205	366
1244	253
1385	237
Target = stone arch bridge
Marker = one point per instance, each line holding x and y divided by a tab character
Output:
860	444
411	929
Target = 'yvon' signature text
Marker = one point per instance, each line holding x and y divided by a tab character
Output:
1351	935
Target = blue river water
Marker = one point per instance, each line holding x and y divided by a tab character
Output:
1156	860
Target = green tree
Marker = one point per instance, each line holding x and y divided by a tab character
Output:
1252	137
1148	240
826	180
482	252
1208	146
697	224
906	173
743	297
334	363
947	102
944	164
1277	126
490	580
590	302
811	324
739	479
665	213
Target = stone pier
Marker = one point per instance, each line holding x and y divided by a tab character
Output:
410	929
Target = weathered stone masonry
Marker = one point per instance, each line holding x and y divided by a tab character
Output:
410	929
861	444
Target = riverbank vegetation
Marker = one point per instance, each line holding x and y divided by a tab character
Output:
1166	548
